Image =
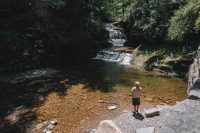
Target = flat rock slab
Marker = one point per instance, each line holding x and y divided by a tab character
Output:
112	107
108	126
152	112
145	130
182	118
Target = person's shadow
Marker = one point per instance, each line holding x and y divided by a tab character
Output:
138	116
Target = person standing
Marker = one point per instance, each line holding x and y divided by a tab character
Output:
136	93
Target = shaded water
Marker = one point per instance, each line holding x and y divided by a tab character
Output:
75	103
107	76
111	83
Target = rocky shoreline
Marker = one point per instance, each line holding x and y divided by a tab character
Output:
163	60
180	118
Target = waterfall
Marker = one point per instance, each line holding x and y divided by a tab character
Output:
117	38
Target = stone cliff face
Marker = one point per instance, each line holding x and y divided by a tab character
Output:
194	78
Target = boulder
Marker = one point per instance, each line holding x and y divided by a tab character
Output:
108	126
194	92
182	118
145	130
152	112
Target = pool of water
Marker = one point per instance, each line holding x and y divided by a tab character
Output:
86	93
106	77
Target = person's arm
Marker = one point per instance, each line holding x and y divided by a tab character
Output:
131	92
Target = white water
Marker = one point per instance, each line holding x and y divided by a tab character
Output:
117	39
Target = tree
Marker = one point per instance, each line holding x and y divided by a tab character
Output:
186	21
151	17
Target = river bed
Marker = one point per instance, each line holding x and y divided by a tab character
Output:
79	95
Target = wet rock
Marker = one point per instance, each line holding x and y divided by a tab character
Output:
48	87
112	107
62	82
37	82
145	130
152	112
108	126
113	102
14	117
84	98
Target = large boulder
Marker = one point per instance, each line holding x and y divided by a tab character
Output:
182	118
194	92
108	126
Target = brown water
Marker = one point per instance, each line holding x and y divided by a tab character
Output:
92	88
80	94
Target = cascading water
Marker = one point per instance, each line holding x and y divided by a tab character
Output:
117	39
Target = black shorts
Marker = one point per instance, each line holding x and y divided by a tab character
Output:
135	101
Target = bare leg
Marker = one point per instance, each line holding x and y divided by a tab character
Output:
135	108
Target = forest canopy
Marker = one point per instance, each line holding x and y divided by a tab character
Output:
74	28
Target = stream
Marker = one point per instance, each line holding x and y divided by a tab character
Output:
78	95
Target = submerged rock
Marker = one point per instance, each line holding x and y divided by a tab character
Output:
112	107
100	101
28	75
148	99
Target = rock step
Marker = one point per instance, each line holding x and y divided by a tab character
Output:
152	112
182	118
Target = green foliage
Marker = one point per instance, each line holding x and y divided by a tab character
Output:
197	24
151	17
118	10
54	4
185	21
